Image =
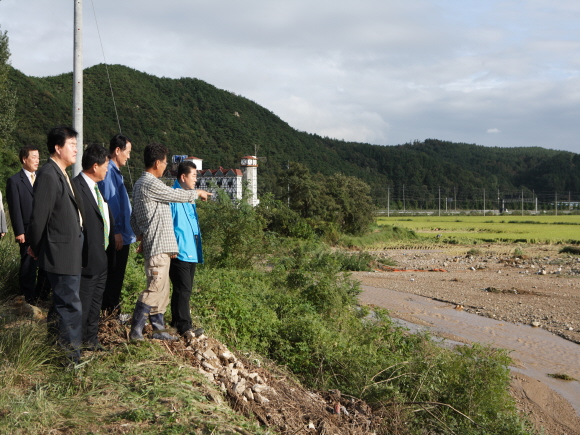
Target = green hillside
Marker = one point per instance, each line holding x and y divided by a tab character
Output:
193	117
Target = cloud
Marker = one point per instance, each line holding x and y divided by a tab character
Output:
378	71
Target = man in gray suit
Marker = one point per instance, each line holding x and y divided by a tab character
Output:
56	239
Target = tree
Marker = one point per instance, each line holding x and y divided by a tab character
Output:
338	199
8	159
7	94
353	202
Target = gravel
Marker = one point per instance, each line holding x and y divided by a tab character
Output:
540	288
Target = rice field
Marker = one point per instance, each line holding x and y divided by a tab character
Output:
492	229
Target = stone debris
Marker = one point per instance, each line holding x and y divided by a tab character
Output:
247	389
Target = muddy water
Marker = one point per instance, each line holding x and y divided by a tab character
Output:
536	351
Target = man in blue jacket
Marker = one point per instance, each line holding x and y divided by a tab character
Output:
114	192
182	269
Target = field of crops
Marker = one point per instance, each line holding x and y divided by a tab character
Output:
492	229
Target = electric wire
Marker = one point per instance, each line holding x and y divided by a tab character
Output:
106	67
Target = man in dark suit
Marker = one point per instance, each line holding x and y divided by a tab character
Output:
19	198
99	237
55	237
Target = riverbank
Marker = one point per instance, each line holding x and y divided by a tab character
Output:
539	287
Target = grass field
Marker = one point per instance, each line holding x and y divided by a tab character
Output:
492	229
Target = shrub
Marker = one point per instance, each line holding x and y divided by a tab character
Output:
9	265
574	250
233	233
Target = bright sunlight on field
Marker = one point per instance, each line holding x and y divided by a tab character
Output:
462	229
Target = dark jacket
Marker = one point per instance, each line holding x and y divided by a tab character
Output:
54	231
94	254
19	199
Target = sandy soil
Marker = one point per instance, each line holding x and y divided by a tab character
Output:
541	287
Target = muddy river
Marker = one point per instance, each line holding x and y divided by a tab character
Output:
536	352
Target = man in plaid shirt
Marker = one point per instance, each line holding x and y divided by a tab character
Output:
152	223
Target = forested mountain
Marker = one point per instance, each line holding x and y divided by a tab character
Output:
193	117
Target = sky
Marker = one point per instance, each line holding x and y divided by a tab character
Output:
387	72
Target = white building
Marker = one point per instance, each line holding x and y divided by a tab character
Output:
232	181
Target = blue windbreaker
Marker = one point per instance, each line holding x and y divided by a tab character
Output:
187	233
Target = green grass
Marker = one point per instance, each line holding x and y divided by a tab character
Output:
137	389
492	229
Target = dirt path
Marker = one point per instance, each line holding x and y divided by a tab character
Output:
541	287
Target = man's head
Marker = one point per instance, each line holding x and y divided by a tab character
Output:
62	145
187	175
155	158
120	149
95	159
29	157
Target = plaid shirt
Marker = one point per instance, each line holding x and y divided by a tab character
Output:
151	216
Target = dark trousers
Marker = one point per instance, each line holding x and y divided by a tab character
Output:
91	296
65	316
181	274
112	294
32	287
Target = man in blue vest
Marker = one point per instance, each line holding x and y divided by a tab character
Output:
182	269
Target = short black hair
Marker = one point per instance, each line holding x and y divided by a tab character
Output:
185	167
94	153
58	136
25	152
118	141
153	152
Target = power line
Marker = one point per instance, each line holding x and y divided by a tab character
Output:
106	67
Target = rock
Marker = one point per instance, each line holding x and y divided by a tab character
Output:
259	388
248	393
208	367
240	386
208	375
260	399
535	324
227	356
208	354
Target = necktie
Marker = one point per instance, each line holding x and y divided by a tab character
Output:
102	210
32	177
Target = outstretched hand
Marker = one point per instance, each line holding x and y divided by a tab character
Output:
203	195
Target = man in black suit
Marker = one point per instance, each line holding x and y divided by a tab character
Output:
19	198
55	237
99	236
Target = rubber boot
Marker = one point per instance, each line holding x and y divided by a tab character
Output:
138	322
159	331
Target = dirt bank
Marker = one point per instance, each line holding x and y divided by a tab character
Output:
540	287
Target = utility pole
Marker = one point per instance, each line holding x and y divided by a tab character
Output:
404	205
484	202
288	168
388	201
522	202
439	200
78	85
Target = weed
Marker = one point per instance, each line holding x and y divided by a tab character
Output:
574	250
562	376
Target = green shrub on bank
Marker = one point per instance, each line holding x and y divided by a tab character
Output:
9	264
304	314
